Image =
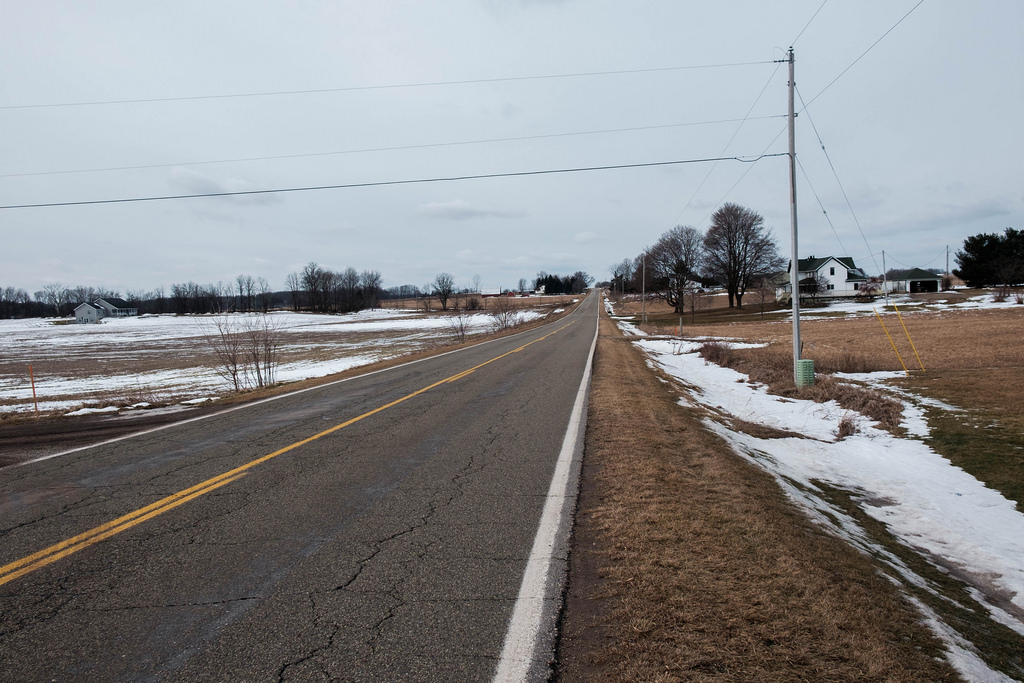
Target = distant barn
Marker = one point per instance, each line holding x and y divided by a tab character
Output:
914	281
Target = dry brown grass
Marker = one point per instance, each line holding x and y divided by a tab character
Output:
973	359
950	339
690	564
773	367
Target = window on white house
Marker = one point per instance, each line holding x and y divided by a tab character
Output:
832	270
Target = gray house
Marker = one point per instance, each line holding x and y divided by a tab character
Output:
89	313
116	308
108	307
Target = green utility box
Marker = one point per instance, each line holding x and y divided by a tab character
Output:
804	373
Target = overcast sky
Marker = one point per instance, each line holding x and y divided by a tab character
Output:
924	132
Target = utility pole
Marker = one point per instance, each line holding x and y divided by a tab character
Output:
885	280
643	288
794	271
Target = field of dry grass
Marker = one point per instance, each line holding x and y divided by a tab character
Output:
973	360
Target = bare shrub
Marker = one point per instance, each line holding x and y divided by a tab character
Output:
847	426
262	340
226	342
246	349
459	326
473	303
999	296
1018	296
504	314
876	405
718	353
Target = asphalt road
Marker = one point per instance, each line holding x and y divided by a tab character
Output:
375	529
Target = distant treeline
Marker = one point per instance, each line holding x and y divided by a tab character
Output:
577	283
315	288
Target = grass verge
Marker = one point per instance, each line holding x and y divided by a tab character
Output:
689	563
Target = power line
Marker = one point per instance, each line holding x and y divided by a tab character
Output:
385	183
820	7
380	149
870	47
836	174
429	84
828	218
726	147
742	176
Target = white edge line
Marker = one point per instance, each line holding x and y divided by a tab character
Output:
261	401
517	655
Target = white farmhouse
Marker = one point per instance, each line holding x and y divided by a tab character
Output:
838	276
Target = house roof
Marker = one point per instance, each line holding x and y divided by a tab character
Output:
918	274
92	306
115	302
813	264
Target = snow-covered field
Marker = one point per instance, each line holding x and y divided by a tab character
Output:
929	504
129	363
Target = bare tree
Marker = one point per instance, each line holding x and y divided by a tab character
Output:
738	249
476	283
813	287
764	292
246	287
370	284
443	286
294	286
313	281
674	261
622	275
262	294
81	295
696	297
56	295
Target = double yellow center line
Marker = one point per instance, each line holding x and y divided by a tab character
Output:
32	562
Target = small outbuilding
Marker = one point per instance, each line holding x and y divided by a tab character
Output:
915	281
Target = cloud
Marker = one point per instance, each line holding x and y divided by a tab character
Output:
188	181
458	210
585	237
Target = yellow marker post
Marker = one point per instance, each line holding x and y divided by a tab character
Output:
907	332
895	350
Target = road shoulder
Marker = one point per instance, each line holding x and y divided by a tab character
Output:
690	563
